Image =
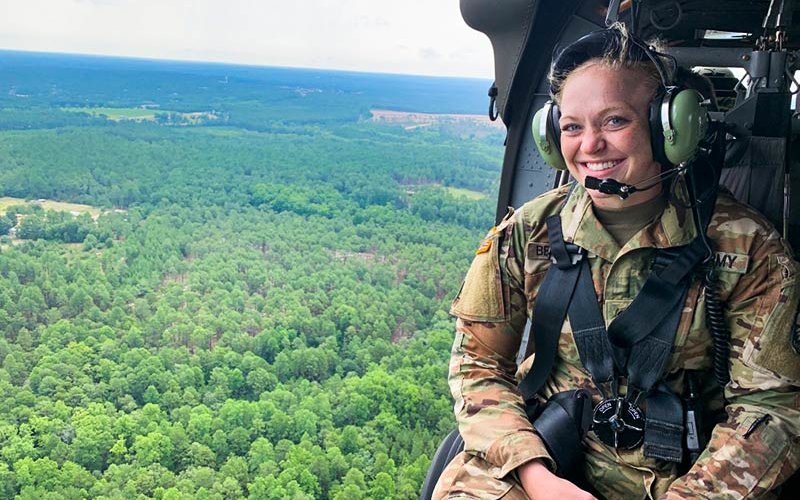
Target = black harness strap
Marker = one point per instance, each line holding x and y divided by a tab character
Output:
648	357
660	294
550	310
646	334
589	331
663	429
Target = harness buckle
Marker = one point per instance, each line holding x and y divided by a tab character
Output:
619	423
575	254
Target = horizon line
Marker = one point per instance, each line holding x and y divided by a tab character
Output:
235	64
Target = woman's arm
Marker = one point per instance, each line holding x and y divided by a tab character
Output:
489	409
492	309
756	448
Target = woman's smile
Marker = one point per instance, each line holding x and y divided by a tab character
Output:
599	167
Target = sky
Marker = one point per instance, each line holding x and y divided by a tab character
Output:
423	37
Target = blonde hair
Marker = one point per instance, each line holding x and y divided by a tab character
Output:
617	56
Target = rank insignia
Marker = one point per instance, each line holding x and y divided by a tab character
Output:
486	243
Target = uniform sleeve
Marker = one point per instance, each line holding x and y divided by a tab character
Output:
756	448
491	310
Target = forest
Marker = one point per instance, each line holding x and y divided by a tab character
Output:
256	307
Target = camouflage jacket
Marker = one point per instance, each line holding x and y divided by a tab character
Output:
758	286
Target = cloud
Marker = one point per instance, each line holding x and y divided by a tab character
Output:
412	36
103	2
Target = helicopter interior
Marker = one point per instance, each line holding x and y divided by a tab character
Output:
747	49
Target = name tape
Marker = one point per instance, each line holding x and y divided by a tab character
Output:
732	262
539	252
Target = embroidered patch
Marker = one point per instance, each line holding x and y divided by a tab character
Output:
481	295
486	245
733	262
785	263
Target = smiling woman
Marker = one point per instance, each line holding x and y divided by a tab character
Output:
605	129
630	266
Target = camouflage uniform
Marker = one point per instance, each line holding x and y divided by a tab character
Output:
758	285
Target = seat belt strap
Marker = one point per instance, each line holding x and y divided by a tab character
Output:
648	358
589	331
550	309
644	361
663	291
663	428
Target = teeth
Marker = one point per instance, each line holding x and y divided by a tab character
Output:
596	167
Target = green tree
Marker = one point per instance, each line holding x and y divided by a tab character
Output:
8	481
154	448
354	487
382	486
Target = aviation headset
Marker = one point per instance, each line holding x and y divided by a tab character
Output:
678	119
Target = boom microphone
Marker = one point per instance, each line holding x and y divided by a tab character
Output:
610	186
613	186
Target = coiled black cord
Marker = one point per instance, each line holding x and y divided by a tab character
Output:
715	320
703	210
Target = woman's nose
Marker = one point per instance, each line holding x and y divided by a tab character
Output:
592	141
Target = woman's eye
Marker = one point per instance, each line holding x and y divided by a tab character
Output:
569	127
616	121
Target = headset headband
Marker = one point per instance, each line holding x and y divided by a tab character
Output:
607	41
677	119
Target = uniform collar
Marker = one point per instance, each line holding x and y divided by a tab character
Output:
675	227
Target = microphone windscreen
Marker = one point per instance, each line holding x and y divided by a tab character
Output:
591	182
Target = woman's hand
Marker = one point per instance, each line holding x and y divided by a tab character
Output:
541	484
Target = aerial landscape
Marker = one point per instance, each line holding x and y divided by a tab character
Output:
222	281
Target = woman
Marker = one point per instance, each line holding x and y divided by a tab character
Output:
603	89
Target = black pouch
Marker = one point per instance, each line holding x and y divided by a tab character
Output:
562	423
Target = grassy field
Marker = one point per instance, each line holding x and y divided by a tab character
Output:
465	193
142	114
58	206
8	202
118	114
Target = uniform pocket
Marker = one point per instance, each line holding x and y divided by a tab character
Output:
481	296
613	307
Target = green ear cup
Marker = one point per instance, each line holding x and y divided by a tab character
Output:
687	125
543	137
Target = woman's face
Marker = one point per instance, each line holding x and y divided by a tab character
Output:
605	131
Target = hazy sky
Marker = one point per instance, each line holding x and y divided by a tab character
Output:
399	36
